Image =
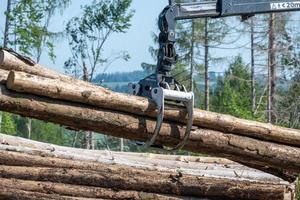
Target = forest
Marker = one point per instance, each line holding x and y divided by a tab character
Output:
261	82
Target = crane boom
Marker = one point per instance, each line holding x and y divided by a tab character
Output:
224	8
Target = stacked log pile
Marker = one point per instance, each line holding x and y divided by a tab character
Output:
34	91
34	170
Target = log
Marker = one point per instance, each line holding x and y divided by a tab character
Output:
149	181
99	96
280	160
216	170
23	159
33	158
67	190
13	194
3	76
19	144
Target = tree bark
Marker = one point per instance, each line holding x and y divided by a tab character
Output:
149	181
144	107
284	161
68	190
12	194
271	70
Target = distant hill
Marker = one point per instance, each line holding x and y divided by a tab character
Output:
120	77
119	81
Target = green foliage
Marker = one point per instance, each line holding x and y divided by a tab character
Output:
8	125
232	95
48	132
289	104
31	19
88	33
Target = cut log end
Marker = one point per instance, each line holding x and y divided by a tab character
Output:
10	80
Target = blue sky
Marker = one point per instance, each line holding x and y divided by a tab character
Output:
136	41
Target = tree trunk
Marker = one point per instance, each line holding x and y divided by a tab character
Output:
100	97
67	190
7	24
192	58
271	70
88	135
206	65
253	88
29	127
121	144
238	148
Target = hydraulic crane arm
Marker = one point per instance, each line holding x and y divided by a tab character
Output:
225	8
161	85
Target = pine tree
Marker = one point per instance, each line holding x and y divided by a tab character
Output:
8	125
231	94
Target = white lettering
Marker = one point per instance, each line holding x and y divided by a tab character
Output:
285	5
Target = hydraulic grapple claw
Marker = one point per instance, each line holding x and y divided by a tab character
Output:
159	95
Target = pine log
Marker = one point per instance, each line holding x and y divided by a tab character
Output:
10	62
149	181
67	190
219	169
41	160
231	171
19	144
24	159
283	161
91	94
13	194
